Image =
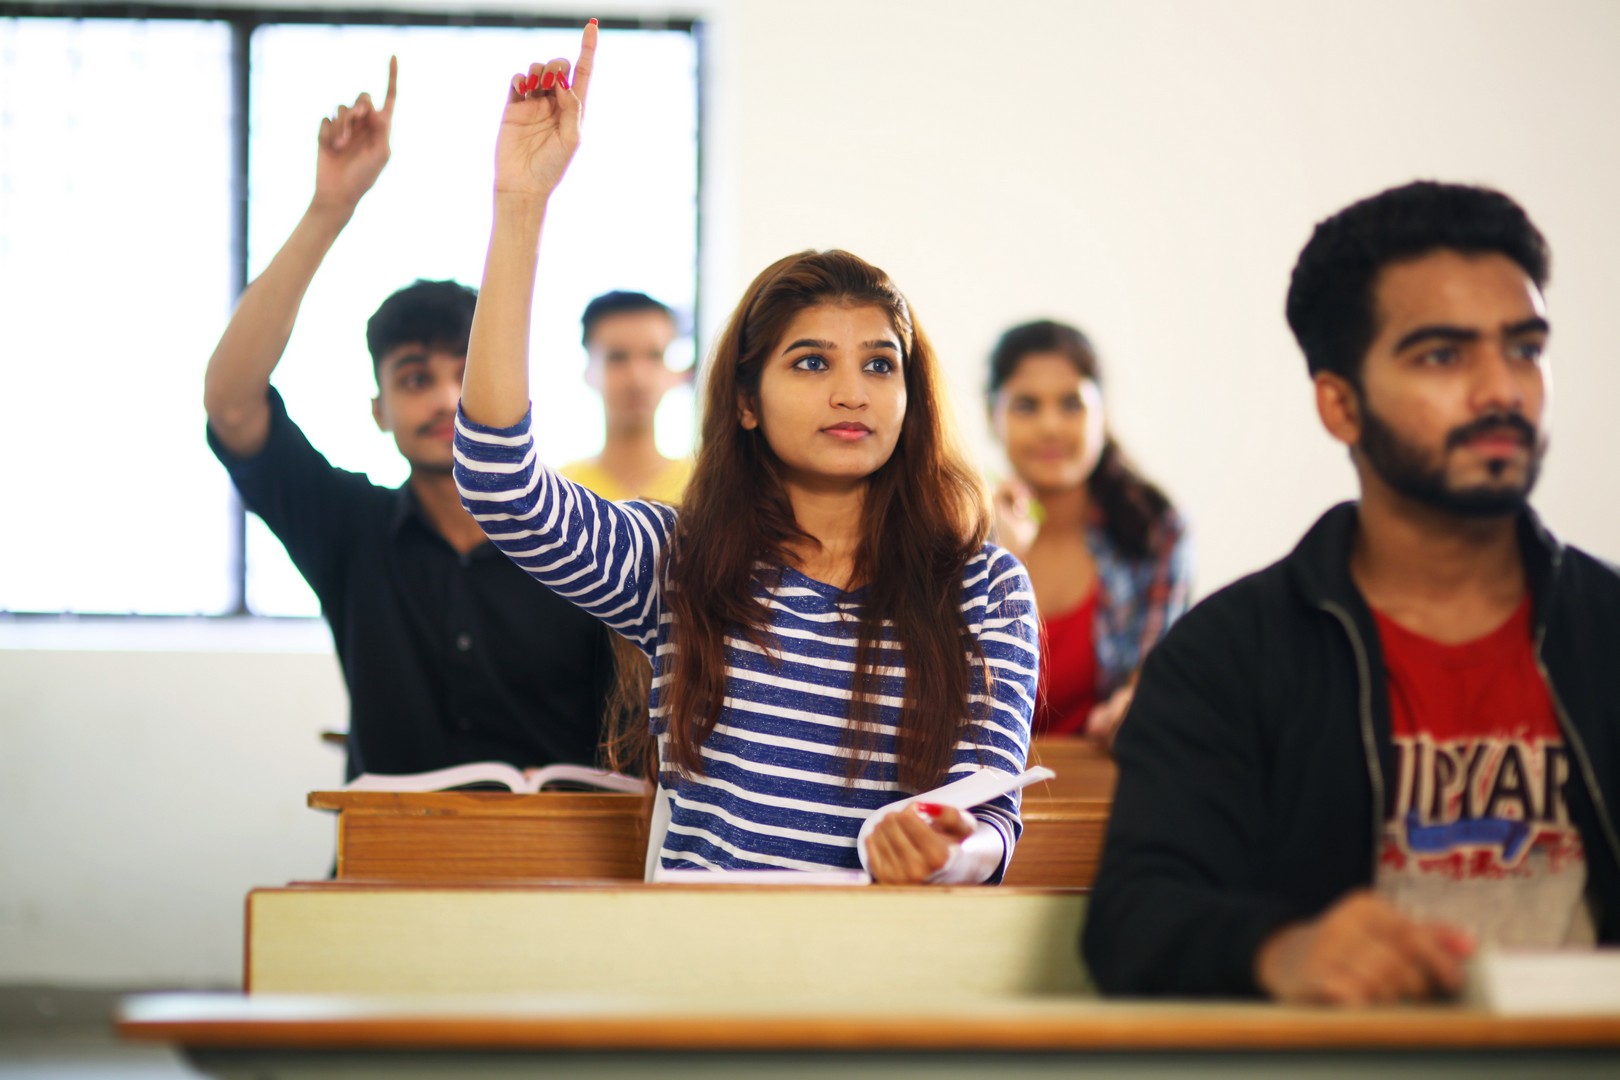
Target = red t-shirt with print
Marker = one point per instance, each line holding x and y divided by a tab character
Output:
1480	837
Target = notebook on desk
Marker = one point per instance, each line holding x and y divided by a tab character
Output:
1553	982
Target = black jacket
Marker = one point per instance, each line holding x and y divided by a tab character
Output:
1252	766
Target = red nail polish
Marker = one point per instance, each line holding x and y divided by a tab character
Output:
562	81
591	23
929	809
532	83
547	79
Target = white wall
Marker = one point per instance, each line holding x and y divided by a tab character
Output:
1150	171
144	790
1146	169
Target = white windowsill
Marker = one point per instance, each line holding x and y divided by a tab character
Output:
88	633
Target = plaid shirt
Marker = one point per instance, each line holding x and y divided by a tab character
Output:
1137	599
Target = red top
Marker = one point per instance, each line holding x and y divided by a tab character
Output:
1068	689
1480	834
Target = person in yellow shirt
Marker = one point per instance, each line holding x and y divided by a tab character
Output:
626	335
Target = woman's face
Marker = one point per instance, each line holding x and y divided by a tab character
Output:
1049	419
832	396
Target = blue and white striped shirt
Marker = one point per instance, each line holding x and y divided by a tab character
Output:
773	794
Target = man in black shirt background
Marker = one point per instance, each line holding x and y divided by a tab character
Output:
449	651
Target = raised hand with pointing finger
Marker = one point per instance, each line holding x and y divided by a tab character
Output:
354	147
351	152
539	133
540	126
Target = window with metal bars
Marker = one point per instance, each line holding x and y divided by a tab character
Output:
152	160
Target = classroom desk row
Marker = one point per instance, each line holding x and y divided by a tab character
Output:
482	837
622	980
477	934
474	837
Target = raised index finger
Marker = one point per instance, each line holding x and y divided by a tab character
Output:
586	61
393	83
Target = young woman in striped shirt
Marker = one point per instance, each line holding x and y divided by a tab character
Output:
829	631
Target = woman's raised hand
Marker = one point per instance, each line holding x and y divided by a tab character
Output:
1017	517
540	127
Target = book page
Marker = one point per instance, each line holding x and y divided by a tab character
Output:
477	772
584	777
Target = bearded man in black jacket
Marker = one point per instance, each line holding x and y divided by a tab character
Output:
1343	774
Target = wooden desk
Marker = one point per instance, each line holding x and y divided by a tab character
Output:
473	837
1084	770
451	837
637	1035
1061	844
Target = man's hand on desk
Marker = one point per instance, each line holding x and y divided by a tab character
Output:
1361	951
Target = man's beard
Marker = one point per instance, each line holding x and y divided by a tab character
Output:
1403	467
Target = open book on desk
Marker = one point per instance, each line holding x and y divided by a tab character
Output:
974	789
498	774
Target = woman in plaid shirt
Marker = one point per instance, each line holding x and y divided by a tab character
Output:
1107	553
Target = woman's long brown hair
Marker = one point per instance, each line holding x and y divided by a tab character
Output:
924	518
